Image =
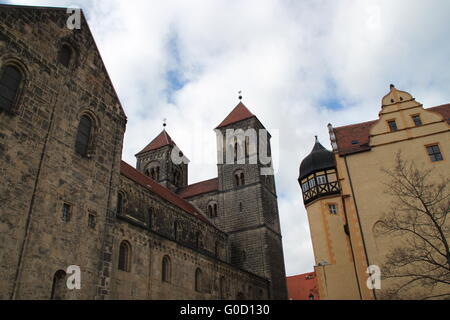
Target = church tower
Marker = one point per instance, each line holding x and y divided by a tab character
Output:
247	198
164	162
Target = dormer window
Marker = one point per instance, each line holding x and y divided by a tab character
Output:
392	125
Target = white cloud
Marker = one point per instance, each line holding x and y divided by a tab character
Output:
289	58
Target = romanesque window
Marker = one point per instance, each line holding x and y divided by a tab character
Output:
212	210
92	220
154	173
10	82
435	153
84	136
59	285
66	212
239	178
124	256
65	55
166	272
198	280
247	146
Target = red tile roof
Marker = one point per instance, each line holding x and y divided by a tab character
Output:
162	140
238	114
301	287
131	173
199	188
444	110
355	138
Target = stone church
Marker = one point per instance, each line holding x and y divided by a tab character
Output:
67	198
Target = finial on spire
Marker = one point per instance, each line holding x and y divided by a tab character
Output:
392	86
164	123
240	95
317	139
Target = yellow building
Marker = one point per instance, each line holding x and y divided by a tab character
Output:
344	192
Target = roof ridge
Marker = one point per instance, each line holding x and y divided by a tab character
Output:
154	186
200	182
356	124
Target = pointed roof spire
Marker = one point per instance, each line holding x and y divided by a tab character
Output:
162	140
238	114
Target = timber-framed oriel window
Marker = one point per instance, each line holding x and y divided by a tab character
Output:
319	184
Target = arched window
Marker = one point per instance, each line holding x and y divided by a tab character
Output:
237	180
10	82
65	55
215	210
198	280
59	285
166	272
153	173
125	256
84	136
210	211
247	146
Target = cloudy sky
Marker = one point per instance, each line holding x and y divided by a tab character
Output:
300	65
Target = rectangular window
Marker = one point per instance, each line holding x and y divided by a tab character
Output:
321	180
91	221
392	125
417	120
66	212
435	153
305	187
332	208
312	183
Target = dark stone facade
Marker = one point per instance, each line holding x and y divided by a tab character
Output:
42	176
